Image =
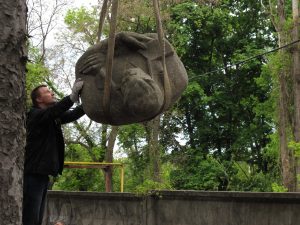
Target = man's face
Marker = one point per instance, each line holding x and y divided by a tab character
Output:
58	223
46	97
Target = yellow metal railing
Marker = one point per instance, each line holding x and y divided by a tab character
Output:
98	165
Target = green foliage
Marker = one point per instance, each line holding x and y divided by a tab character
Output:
206	174
83	22
75	152
139	18
34	54
278	62
278	188
270	152
248	179
36	75
80	179
227	116
295	146
132	136
193	29
148	184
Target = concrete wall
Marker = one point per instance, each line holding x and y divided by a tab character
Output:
173	208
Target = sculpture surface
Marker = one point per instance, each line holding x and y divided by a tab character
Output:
137	86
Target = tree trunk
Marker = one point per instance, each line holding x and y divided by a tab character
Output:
287	159
152	128
296	81
104	136
12	108
286	154
109	158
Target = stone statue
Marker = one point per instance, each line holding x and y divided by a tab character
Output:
137	86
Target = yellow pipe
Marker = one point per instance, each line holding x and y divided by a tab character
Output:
104	164
93	163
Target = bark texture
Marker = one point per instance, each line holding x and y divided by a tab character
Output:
287	156
109	158
296	81
152	129
12	108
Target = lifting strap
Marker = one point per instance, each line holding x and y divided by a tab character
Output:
160	34
102	19
110	53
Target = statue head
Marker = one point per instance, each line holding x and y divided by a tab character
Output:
137	84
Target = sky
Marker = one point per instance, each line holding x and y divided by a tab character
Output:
73	4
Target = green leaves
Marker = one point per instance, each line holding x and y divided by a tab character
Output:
36	75
205	174
132	136
295	146
225	120
83	22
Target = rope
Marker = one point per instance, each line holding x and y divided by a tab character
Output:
109	60
244	61
101	20
167	87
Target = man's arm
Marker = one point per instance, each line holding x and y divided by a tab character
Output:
57	110
52	112
72	115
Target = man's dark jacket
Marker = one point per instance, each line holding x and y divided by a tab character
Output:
45	146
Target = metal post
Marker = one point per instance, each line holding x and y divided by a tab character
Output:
122	178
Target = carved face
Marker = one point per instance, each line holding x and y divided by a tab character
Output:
141	95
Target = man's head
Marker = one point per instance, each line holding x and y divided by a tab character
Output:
42	97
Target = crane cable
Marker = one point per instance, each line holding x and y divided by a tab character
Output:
160	34
110	52
102	19
237	64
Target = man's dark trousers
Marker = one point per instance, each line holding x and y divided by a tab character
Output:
35	191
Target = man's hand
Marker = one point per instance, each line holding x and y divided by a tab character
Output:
77	86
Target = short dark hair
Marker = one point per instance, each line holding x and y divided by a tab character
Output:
35	94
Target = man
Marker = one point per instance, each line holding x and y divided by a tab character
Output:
44	154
